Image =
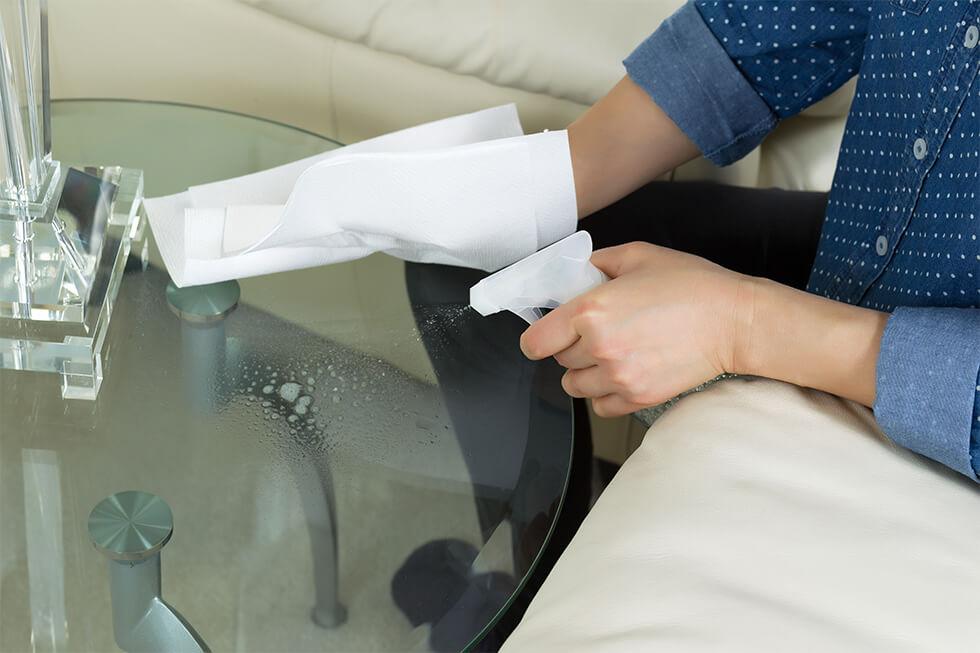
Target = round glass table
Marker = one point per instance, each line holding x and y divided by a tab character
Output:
351	459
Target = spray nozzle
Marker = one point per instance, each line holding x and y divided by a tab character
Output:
543	280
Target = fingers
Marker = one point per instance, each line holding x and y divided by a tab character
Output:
616	261
561	328
614	405
549	335
590	382
557	331
576	357
593	382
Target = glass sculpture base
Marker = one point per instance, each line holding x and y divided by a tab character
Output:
78	251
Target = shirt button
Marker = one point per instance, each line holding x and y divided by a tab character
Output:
881	245
972	36
919	148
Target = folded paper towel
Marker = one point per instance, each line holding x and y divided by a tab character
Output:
467	190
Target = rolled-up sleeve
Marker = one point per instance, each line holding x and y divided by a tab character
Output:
928	387
726	72
684	69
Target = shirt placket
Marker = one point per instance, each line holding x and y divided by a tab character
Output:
960	64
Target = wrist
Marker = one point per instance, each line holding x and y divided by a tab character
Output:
790	335
746	354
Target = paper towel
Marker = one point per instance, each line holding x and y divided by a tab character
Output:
465	191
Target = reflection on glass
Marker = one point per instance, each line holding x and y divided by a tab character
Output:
45	552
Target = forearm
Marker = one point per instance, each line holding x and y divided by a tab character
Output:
811	341
623	142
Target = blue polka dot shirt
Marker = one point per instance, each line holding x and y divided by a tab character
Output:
901	229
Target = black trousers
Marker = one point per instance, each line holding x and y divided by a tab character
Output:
762	232
768	233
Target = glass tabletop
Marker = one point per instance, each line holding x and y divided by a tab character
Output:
353	459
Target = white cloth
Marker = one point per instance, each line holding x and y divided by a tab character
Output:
465	191
758	516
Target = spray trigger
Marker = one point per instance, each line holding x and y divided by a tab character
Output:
546	279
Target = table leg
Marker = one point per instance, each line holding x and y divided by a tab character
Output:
315	483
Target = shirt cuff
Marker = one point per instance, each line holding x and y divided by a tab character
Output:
687	72
927	376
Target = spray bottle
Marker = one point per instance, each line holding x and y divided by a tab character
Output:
546	279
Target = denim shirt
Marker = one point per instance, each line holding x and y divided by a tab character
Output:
901	229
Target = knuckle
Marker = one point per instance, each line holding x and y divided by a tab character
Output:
589	310
601	349
636	248
621	376
605	348
633	397
641	395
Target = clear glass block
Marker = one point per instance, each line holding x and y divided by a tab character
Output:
79	254
26	170
65	233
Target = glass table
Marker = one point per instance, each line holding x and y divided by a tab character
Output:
353	459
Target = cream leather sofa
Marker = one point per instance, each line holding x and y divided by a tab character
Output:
351	69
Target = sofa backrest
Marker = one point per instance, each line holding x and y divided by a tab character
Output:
569	49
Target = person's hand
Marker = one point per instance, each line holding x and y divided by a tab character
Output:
666	322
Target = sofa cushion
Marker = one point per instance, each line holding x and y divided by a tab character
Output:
758	516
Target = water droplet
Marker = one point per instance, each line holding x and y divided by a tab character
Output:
290	391
336	398
268	389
